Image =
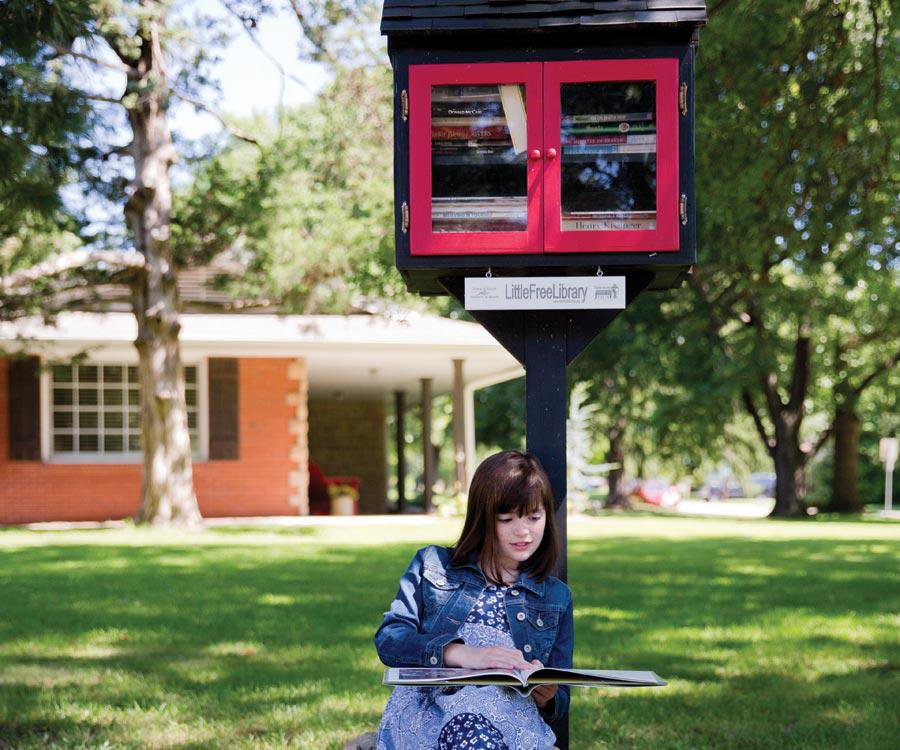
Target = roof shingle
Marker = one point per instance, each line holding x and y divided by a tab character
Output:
439	15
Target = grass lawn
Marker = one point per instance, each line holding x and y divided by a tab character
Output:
772	634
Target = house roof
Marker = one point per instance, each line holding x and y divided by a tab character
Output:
417	16
347	355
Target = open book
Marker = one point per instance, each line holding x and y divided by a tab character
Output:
521	680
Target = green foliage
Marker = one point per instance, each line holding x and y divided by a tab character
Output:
794	166
46	121
500	415
311	211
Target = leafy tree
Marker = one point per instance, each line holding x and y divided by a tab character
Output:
61	60
795	123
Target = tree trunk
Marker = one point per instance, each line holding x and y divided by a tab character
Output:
790	473
786	417
844	486
616	498
167	495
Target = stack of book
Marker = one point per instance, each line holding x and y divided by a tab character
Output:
481	127
614	145
606	221
500	213
587	136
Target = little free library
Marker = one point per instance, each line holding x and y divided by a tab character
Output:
544	174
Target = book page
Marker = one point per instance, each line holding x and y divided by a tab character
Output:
514	109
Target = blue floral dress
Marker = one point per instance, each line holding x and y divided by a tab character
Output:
472	717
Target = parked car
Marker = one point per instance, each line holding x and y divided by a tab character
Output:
656	492
763	483
719	488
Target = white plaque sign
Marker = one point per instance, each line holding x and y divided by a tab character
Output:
545	293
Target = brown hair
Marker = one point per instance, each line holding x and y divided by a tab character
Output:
507	482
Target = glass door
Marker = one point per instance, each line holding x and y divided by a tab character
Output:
611	156
475	158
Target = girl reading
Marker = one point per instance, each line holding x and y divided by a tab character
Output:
489	601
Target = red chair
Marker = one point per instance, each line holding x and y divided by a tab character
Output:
319	498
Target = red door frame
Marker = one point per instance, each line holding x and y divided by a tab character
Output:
664	71
424	241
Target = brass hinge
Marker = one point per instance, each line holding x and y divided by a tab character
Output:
682	208
682	98
404	105
404	217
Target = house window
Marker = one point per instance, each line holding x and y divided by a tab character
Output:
95	409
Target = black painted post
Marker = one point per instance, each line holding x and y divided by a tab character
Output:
545	424
400	411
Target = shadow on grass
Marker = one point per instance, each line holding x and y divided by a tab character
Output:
767	643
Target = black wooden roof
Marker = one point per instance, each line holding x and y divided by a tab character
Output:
417	16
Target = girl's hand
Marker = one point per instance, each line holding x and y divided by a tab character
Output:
470	657
543	694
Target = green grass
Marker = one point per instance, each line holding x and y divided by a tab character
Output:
771	634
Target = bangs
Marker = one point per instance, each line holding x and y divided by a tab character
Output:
522	497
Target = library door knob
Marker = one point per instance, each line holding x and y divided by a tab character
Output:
551	153
535	155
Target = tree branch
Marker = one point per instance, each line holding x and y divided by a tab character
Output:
215	113
59	264
248	29
883	367
311	34
747	400
823	438
119	67
801	374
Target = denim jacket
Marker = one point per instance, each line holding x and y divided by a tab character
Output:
435	597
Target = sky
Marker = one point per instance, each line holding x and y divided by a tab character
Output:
250	81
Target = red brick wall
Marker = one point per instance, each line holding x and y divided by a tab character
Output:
255	484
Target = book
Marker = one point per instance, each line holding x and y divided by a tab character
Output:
467	109
588	224
523	681
576	140
622	127
478	122
468	132
514	109
619	117
609	148
470	92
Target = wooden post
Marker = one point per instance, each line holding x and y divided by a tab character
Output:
427	447
546	400
459	426
400	411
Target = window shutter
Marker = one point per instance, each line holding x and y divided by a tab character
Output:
223	408
24	410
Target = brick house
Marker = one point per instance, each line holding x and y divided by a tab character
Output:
270	397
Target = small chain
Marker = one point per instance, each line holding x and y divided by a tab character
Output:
489	273
599	271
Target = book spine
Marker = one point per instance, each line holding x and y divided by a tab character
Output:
475	92
477	122
649	138
638	148
463	109
621	128
606	225
445	133
612	117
